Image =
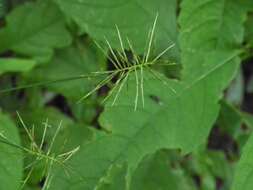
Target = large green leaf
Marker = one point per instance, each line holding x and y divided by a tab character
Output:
165	123
35	29
11	159
168	120
134	19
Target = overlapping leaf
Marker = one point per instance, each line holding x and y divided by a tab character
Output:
154	172
134	18
177	114
165	122
70	63
34	29
115	179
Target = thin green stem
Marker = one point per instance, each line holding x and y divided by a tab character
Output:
47	83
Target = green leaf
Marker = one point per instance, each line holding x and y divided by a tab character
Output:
35	30
165	123
38	116
208	27
16	65
243	178
70	63
11	159
168	120
115	179
69	137
133	18
155	172
210	166
243	174
248	119
230	119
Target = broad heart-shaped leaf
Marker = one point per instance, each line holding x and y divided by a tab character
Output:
70	62
134	19
243	178
168	120
11	159
16	65
35	29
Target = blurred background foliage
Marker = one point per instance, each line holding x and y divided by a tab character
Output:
65	52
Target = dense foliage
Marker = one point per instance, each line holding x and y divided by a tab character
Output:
126	95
